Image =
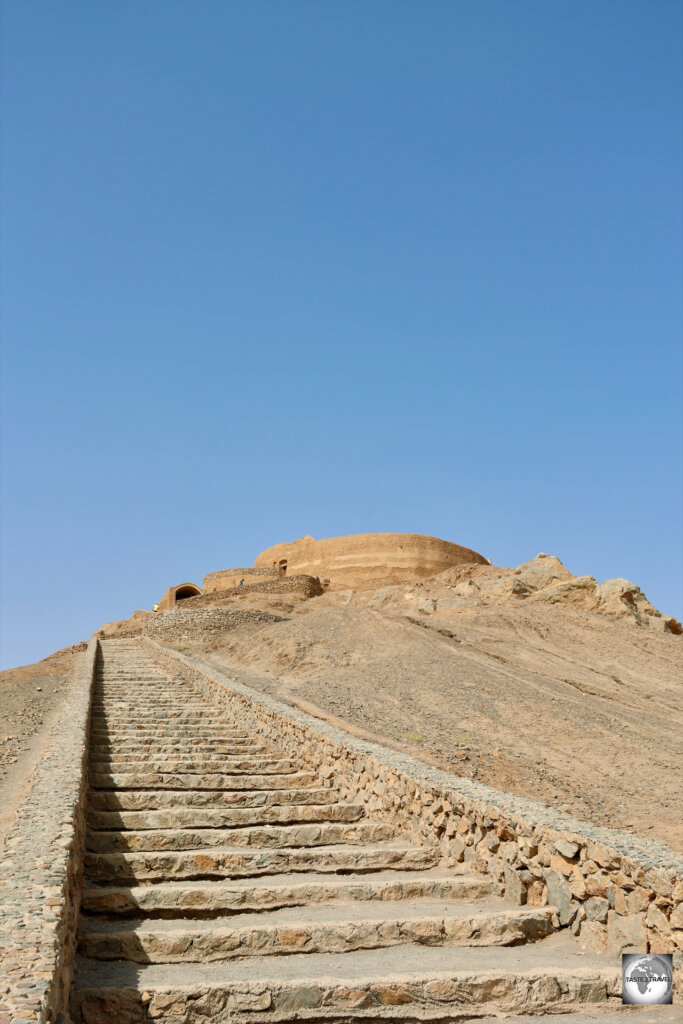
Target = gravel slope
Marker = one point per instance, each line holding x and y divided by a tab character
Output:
568	707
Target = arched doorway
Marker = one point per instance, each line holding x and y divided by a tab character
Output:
186	590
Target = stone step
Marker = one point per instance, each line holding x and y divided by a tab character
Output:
116	758
136	751
153	709
146	667
142	738
197	817
220	897
231	763
264	837
152	799
137	686
462	982
166	726
131	683
190	780
320	929
236	863
149	697
151	780
168	705
207	716
146	673
162	732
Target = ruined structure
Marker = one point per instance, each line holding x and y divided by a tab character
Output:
226	579
364	559
180	593
357	560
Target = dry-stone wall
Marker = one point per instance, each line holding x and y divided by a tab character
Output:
229	577
41	869
616	890
302	586
182	625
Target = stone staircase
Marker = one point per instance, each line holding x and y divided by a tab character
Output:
225	882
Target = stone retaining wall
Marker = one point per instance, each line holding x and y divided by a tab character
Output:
616	891
225	578
182	625
42	866
302	586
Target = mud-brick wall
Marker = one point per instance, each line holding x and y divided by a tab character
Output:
615	890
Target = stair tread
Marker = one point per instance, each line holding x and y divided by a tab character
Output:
210	838
557	954
218	781
140	800
285	879
368	910
188	816
386	846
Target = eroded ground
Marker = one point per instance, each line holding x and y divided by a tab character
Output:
567	707
31	698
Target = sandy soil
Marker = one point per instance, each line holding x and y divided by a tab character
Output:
552	703
31	698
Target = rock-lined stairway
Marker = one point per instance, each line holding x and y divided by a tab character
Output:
224	882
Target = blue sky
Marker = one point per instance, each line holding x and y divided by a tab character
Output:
271	269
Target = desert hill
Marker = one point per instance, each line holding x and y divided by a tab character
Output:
533	680
530	679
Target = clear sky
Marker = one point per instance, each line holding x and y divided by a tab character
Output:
275	269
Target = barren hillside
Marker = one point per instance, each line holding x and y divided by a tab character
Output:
579	708
31	698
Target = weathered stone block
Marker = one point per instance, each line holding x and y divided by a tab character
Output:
536	893
602	855
676	919
626	934
618	902
593	936
596	909
561	864
515	889
637	901
559	895
658	943
566	848
577	885
655	918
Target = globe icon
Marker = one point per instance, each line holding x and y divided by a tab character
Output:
648	980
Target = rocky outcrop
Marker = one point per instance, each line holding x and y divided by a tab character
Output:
544	580
622	599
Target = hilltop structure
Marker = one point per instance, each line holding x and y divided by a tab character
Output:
178	593
356	560
362	559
